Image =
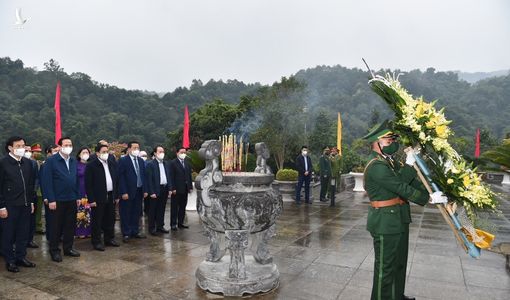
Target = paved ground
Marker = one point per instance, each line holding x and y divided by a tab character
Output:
321	252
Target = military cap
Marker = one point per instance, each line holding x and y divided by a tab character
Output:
36	148
379	131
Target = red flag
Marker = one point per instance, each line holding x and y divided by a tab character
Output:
185	132
58	129
477	143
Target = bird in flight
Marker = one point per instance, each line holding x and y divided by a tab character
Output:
20	21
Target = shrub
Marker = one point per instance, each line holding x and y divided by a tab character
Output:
287	175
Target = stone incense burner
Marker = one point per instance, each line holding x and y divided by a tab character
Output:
237	208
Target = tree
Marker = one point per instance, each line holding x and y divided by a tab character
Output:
323	134
53	66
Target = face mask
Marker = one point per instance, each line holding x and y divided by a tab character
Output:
135	152
160	156
103	156
390	149
67	150
305	153
19	152
85	157
182	156
28	154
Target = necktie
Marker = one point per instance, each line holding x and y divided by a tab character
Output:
137	171
182	163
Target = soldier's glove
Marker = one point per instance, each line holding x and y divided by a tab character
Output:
438	198
410	159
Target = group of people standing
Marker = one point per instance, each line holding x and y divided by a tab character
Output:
80	195
330	168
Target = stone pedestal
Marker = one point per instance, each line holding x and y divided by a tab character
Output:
358	182
214	277
506	178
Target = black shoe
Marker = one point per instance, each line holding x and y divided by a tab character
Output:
139	236
31	244
12	268
153	233
25	263
72	253
112	243
163	230
183	226
173	228
408	298
125	238
98	247
56	257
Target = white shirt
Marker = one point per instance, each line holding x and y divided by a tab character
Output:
109	182
306	164
65	159
162	173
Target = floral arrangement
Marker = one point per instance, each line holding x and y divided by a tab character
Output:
420	123
82	215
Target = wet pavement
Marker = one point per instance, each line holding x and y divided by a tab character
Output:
321	252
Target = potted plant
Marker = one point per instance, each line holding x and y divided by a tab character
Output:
287	180
357	173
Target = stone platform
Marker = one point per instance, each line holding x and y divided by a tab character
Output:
321	253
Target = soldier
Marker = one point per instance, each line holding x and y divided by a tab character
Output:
390	185
336	171
325	171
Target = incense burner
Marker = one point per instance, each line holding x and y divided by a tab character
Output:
236	207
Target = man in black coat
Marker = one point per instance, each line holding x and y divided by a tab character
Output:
181	186
305	169
17	181
158	178
101	184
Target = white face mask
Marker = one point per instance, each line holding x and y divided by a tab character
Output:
103	156
305	153
19	152
28	154
67	150
160	156
85	156
182	156
135	152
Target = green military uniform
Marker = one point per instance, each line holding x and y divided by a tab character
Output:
325	171
336	171
386	179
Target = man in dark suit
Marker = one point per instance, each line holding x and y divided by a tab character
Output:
60	186
17	181
305	169
181	186
158	178
132	188
101	185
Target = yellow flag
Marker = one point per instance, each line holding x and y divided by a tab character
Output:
339	135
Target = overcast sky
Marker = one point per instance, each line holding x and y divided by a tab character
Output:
161	44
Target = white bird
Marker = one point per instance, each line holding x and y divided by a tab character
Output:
19	19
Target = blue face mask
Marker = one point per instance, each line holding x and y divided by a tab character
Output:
390	149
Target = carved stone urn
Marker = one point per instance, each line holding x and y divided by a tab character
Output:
237	208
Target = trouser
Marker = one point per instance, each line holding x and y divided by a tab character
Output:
324	186
157	209
15	232
130	211
389	265
48	218
103	219
178	204
306	181
38	214
146	203
332	191
31	230
63	224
